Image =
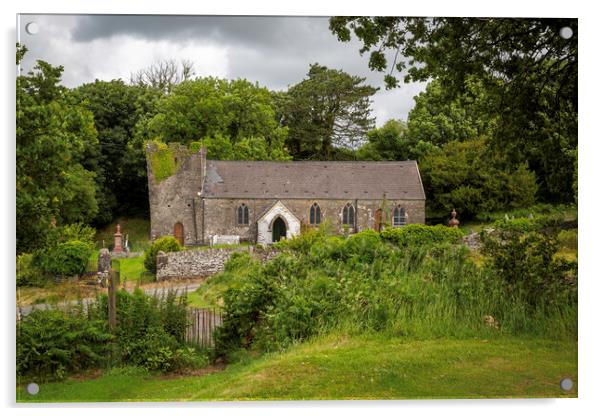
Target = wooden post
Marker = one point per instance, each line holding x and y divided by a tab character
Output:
113	286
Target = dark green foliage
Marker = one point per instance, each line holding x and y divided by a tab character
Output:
165	244
151	331
418	234
525	260
389	142
66	259
52	137
54	343
28	274
327	111
471	178
117	159
514	80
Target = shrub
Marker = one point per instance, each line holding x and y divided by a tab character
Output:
524	259
65	259
568	239
165	244
79	232
418	234
27	273
151	330
53	343
363	283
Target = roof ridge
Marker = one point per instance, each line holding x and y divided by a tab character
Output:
383	162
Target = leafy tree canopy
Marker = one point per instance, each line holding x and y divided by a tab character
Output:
52	138
118	160
471	178
525	64
329	109
214	110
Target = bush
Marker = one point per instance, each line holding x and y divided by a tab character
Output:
151	330
53	343
468	176
418	234
27	273
427	288
65	259
165	244
568	239
150	334
524	259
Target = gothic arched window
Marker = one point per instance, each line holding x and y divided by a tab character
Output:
315	216
348	215
242	215
399	216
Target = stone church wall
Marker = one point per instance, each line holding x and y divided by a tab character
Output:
220	214
176	200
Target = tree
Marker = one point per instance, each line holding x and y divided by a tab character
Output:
436	119
471	178
52	134
163	75
388	142
117	160
525	63
224	115
329	109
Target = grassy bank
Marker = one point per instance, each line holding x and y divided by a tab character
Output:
351	367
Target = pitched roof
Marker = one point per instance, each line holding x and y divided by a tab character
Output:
313	180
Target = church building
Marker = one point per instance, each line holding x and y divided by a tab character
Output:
216	201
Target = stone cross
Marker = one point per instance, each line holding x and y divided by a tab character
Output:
117	248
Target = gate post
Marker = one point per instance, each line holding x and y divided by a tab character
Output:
113	285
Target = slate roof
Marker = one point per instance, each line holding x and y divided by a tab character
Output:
313	180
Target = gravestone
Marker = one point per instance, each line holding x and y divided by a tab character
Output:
117	248
104	266
225	239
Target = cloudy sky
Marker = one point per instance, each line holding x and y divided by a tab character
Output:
274	51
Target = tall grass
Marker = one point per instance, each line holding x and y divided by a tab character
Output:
321	284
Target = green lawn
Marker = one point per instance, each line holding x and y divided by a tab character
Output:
132	270
339	367
137	229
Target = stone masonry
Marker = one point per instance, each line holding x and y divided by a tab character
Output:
192	263
202	263
200	200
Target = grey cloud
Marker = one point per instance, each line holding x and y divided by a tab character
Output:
274	51
268	31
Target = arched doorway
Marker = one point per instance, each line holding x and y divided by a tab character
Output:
178	232
278	229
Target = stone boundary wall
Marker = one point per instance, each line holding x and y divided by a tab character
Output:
201	263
